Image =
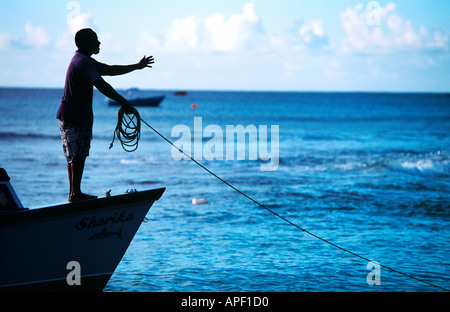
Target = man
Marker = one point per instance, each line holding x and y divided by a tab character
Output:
75	113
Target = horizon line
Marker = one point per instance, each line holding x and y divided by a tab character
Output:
242	90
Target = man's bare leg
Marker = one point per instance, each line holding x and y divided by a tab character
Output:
75	169
69	173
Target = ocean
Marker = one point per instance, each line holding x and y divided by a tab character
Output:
369	172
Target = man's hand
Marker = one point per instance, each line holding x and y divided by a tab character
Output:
145	62
128	108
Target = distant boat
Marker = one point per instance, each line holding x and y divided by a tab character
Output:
180	93
39	248
149	101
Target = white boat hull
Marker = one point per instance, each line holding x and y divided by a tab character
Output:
37	245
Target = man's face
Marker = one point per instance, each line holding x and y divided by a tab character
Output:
95	44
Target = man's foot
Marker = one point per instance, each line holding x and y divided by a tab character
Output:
80	197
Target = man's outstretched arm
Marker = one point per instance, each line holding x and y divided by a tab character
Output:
114	70
109	91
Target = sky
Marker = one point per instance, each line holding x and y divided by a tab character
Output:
253	45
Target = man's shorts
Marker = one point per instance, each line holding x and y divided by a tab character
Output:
76	141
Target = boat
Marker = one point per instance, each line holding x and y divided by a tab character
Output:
67	247
180	93
148	101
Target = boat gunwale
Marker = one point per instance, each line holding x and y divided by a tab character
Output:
26	215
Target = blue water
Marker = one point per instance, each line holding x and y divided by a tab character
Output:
369	172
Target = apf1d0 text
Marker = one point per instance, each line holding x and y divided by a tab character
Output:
247	302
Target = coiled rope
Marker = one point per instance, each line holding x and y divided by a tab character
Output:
128	130
128	133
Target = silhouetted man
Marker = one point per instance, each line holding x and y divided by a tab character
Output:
75	113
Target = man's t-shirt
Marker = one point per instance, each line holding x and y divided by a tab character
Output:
76	104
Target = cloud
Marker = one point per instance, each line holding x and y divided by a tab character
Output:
299	41
237	31
315	28
240	32
184	34
79	21
75	19
36	36
313	34
214	33
380	30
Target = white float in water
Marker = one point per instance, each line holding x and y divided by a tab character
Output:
198	201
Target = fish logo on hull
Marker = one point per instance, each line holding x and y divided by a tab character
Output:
105	234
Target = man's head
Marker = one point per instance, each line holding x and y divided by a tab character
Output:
87	41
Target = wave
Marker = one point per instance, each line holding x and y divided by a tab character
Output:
435	164
428	164
9	136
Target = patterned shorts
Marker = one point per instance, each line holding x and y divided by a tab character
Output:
76	141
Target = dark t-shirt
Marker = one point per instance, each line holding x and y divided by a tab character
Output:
76	104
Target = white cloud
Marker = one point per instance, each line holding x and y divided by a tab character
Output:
36	36
392	33
184	34
313	34
237	31
216	32
437	41
308	31
78	22
75	21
